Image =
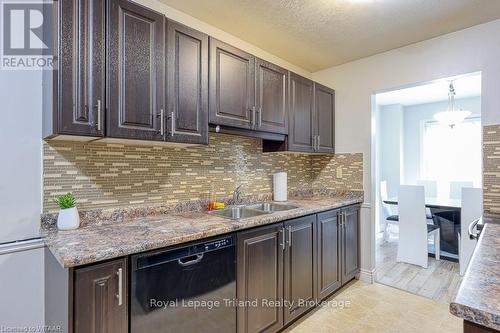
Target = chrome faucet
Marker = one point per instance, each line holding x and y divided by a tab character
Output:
237	195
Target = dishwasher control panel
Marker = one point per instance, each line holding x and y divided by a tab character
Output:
219	243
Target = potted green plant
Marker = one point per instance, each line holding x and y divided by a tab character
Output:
68	217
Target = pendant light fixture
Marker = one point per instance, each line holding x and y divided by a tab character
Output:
451	117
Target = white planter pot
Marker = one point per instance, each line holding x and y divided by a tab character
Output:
68	219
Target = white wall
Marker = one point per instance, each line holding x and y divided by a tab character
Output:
413	117
389	147
470	50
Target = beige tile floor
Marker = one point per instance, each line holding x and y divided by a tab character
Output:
378	308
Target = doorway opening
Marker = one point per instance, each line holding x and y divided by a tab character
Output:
417	141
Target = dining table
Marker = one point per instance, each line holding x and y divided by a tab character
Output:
446	214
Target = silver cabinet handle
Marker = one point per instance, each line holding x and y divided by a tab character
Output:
162	122
260	116
120	286
172	123
317	142
283	238
253	116
314	142
289	236
99	111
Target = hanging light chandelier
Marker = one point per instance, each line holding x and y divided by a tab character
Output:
451	117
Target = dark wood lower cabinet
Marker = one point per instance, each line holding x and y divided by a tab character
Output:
350	243
470	327
260	278
329	250
304	260
100	298
300	267
283	269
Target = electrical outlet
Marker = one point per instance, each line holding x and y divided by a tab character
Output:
339	172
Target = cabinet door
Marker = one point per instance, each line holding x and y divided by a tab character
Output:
135	72
232	86
187	77
100	298
271	97
324	105
300	266
301	108
329	277
350	244
79	96
260	278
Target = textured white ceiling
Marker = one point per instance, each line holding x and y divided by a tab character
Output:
317	34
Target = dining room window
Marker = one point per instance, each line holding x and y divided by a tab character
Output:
451	153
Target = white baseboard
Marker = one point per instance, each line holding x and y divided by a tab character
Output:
367	276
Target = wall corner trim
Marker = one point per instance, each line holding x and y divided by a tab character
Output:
367	276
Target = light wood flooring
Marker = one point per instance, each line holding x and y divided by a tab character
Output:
440	281
377	308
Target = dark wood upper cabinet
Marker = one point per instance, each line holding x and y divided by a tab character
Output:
74	94
100	298
271	83
301	114
232	86
187	84
300	266
136	72
324	105
125	71
329	259
311	114
260	277
350	243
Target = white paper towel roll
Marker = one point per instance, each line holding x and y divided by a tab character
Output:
280	186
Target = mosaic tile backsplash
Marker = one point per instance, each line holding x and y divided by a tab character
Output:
119	175
491	169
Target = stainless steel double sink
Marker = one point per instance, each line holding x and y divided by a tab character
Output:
251	210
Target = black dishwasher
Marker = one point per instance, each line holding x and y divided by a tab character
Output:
185	289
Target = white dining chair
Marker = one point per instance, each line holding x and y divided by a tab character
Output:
430	187
472	209
456	189
391	218
414	231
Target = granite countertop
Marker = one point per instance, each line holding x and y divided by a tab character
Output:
93	243
478	299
